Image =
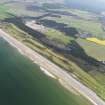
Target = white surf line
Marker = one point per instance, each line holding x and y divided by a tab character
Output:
54	69
59	80
48	73
16	48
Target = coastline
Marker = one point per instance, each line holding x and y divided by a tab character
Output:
53	69
48	73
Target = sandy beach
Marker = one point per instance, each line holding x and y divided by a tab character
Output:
51	68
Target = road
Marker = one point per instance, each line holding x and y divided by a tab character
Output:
54	69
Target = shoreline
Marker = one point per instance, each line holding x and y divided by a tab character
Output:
47	73
58	72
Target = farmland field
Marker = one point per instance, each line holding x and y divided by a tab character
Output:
83	26
95	50
3	12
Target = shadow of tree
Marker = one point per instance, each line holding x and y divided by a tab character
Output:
83	60
70	31
65	13
34	8
41	17
36	34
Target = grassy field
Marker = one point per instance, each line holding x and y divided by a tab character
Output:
58	37
83	26
17	9
20	10
92	49
3	12
83	14
86	26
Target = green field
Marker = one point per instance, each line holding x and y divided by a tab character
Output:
57	36
92	49
3	10
15	9
84	14
83	26
20	10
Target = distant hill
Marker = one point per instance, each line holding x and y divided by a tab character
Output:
2	1
90	5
